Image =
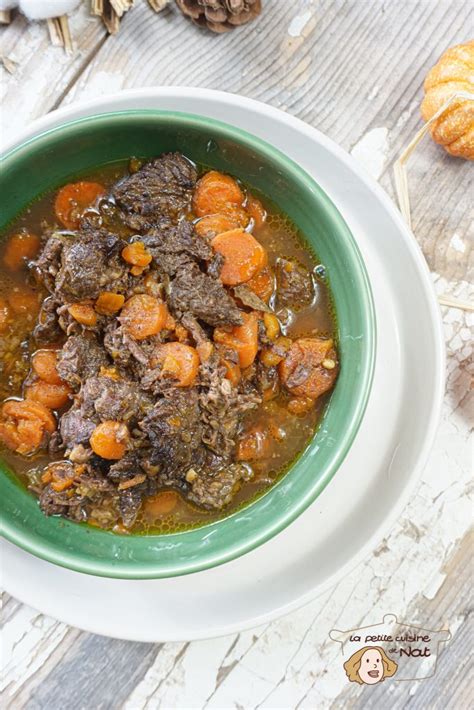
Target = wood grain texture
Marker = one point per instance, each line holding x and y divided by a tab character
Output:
354	70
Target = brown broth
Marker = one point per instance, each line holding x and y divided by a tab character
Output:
281	239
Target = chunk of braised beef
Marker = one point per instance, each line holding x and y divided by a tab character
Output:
108	398
58	503
165	240
127	352
126	468
250	299
47	265
91	495
90	263
174	430
214	490
222	408
203	296
48	330
76	429
198	333
169	263
55	444
295	285
214	267
80	358
163	186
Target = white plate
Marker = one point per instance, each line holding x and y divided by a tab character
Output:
369	491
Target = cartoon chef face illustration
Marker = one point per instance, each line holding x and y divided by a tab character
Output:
369	665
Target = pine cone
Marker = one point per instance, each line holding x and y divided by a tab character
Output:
220	15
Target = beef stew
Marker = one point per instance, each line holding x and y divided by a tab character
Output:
167	344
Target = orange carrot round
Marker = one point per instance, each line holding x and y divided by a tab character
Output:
241	338
161	504
20	247
23	425
109	303
73	199
52	396
62	482
44	364
178	361
216	193
243	256
109	440
84	313
213	224
136	254
143	315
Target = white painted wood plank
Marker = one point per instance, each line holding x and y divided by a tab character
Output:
42	73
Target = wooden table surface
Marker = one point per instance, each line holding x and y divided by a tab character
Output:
354	70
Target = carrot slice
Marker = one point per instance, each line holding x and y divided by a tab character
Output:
60	477
243	256
109	303
216	193
23	409
177	360
272	325
181	333
136	254
310	368
52	396
241	338
84	314
256	210
20	247
73	199
23	425
161	504
109	440
170	322
143	315
213	224
44	364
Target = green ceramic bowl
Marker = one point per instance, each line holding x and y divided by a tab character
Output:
53	158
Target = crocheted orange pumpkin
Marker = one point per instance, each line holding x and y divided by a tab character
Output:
455	127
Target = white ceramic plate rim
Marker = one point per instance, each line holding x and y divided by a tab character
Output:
107	103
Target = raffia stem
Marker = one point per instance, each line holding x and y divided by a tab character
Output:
59	33
111	12
401	181
158	5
